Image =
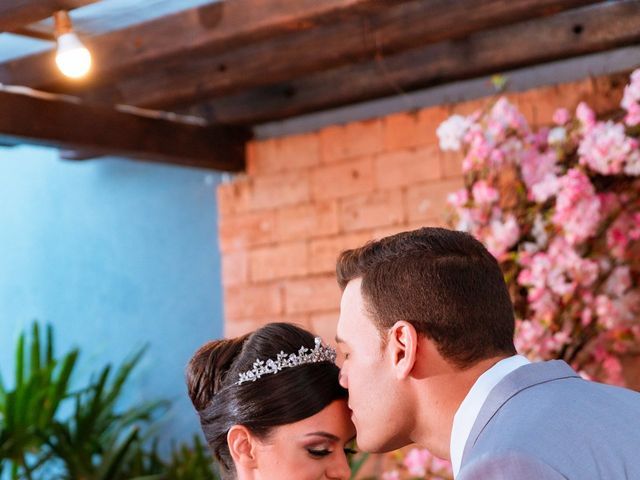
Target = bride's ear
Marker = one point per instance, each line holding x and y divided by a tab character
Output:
242	446
403	346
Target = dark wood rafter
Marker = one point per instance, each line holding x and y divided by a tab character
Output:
577	32
63	124
366	36
238	63
15	14
188	35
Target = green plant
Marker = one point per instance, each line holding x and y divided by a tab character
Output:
27	411
95	439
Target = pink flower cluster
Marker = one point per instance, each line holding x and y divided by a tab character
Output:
631	100
566	229
420	463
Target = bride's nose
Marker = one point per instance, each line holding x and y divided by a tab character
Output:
339	469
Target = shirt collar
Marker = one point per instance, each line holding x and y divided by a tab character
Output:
470	407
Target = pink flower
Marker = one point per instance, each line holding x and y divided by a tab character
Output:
632	167
632	118
561	116
577	207
605	148
545	189
483	193
631	98
458	198
417	462
586	116
505	116
451	132
503	234
540	168
392	475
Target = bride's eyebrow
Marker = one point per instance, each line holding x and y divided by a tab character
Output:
327	435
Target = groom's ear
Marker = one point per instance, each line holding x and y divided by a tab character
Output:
403	345
242	446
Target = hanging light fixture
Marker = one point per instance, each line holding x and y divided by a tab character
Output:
72	57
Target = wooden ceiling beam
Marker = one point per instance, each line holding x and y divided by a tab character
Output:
367	36
578	32
205	30
15	14
42	120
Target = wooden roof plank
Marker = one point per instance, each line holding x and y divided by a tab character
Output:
577	32
189	79
211	28
40	120
15	14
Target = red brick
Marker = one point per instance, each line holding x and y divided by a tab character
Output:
406	167
401	131
314	294
244	230
237	328
253	301
451	164
429	119
355	139
284	260
383	232
471	106
324	325
233	197
235	268
284	153
307	221
248	194
342	180
324	252
375	209
290	188
429	201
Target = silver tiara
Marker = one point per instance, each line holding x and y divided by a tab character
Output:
320	353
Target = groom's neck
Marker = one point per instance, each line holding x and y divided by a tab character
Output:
438	398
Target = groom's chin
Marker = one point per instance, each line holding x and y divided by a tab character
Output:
376	442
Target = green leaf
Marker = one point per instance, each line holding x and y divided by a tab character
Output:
34	366
357	464
114	463
20	362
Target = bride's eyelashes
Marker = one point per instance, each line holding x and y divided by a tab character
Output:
319	453
350	452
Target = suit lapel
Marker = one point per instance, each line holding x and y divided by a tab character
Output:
518	380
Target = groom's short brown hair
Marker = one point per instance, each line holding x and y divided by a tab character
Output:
444	282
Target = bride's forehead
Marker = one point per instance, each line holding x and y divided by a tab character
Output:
332	423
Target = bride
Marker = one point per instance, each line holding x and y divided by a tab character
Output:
271	407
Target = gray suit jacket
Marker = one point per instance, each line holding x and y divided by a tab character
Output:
544	422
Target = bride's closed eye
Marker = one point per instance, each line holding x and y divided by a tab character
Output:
319	452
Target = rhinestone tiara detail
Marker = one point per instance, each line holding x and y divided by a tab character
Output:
320	353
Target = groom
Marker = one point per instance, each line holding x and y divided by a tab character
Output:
426	327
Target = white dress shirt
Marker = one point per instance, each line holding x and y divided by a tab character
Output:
470	407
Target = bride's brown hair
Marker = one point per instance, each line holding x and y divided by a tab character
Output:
276	399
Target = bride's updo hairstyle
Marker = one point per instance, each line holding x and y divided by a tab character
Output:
288	396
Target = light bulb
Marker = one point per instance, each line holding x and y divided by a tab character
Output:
72	57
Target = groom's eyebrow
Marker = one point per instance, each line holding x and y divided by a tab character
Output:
326	435
339	340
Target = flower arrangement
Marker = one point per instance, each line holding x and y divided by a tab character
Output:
559	208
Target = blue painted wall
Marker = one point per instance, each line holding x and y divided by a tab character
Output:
115	254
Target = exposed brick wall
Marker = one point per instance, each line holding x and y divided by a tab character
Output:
307	197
